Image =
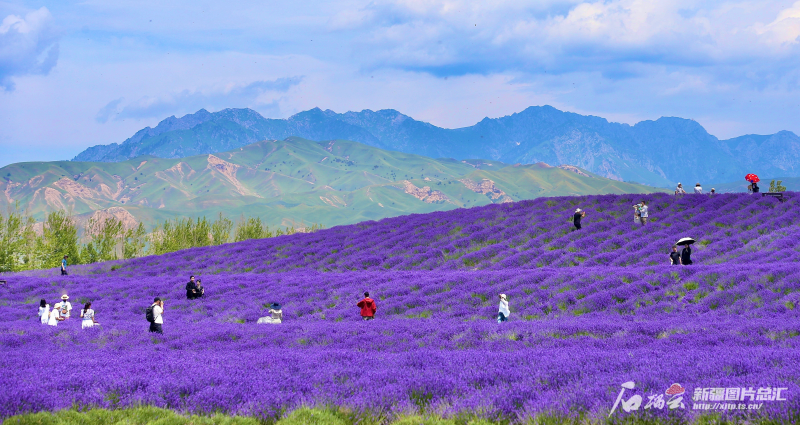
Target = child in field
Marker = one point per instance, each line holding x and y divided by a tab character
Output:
54	317
44	311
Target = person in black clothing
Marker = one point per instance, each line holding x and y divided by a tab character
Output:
192	291
200	290
576	218
686	255
755	187
675	256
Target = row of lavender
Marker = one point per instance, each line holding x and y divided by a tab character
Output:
729	228
515	371
650	292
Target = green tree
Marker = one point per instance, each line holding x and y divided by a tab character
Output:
133	242
776	187
251	228
106	235
59	238
15	233
221	230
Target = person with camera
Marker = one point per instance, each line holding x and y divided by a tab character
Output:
155	316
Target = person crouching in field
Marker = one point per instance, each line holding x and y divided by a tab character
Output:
275	315
368	307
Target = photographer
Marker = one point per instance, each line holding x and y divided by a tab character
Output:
158	316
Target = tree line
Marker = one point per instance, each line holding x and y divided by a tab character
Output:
23	248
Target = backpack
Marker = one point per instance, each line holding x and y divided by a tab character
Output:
148	314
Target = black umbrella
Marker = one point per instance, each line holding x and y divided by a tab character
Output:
685	241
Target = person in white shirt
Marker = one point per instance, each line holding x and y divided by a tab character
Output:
88	316
698	189
158	316
54	317
679	190
44	312
64	307
502	315
275	315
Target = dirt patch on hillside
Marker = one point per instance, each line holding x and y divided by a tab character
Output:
424	194
229	171
488	188
75	189
573	169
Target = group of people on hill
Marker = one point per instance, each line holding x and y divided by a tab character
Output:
62	310
697	190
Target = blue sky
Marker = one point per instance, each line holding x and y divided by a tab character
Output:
75	74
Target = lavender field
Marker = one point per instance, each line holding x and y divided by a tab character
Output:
590	310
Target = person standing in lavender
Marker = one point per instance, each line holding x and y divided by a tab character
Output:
698	189
504	312
155	316
64	307
576	218
64	266
368	307
675	256
679	190
686	255
44	312
643	213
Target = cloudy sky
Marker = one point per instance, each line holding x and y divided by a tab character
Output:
79	73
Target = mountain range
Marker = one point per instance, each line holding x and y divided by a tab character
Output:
657	153
292	182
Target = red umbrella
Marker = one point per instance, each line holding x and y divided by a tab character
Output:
752	178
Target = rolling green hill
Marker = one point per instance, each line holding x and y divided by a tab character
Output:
293	182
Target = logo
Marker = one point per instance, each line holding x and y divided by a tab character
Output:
673	398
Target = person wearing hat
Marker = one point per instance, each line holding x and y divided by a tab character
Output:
64	266
54	316
502	315
713	191
275	315
64	307
368	307
158	316
679	190
698	189
576	218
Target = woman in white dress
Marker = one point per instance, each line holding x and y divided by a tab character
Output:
275	315
54	317
44	312
88	316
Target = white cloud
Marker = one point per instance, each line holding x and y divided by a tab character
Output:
258	94
28	45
